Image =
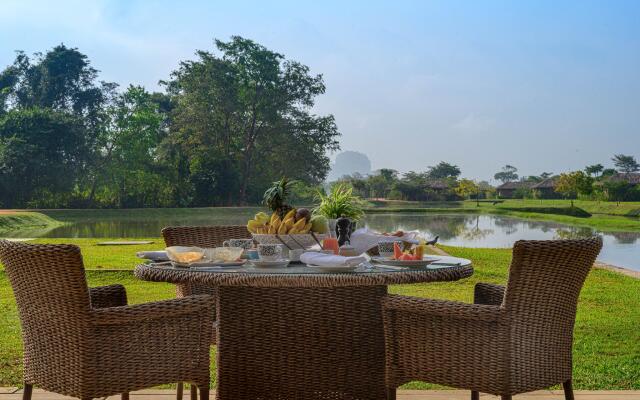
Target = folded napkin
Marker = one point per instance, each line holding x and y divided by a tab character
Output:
364	239
322	259
153	255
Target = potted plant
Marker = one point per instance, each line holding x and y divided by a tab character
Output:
340	202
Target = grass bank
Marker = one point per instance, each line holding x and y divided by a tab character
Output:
26	222
607	339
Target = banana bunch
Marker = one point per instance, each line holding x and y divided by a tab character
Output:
293	222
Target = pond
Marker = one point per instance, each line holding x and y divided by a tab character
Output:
468	230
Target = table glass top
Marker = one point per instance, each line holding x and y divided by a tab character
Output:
443	262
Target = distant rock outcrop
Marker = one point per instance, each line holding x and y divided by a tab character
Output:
349	163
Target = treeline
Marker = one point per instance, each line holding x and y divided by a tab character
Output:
228	124
440	182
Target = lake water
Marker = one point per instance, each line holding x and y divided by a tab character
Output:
620	248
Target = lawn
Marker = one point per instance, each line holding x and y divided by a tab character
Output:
607	342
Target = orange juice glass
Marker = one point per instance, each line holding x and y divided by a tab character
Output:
331	244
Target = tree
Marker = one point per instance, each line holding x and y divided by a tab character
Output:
41	157
466	188
594	170
507	174
573	183
243	118
625	164
443	170
130	173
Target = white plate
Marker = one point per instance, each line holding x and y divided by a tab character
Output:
270	264
334	268
404	263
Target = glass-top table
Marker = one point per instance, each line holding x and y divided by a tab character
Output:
294	332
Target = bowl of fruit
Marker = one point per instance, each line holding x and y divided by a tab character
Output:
412	258
296	229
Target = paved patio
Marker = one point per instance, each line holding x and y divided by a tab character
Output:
16	394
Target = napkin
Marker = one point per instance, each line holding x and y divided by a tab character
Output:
364	239
159	255
323	259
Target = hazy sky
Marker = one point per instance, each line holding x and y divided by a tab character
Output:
542	85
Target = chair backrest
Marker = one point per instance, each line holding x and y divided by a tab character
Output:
541	299
203	236
51	292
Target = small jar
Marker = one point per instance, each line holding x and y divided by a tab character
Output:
348	251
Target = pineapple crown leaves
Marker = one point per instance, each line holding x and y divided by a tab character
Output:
276	196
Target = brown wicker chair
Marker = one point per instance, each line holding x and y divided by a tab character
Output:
206	237
88	343
513	340
201	236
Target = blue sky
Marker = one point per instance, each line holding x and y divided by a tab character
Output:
542	85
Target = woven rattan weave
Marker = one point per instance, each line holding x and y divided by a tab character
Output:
87	343
516	339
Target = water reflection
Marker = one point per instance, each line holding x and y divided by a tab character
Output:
468	230
496	231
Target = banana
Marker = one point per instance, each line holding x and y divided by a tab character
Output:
290	214
307	228
299	226
274	216
282	230
288	223
252	225
273	229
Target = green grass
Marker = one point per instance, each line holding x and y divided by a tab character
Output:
26	223
607	337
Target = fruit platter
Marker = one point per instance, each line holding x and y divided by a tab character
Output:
413	258
296	229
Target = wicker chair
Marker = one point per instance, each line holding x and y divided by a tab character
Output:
512	340
201	236
88	343
206	237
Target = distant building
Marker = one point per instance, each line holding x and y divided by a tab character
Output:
632	178
546	189
508	189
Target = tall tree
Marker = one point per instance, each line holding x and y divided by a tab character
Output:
41	154
443	170
625	164
243	118
507	174
594	170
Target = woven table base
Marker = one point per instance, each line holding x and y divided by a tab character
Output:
300	343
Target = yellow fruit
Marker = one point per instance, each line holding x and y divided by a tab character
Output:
290	214
272	229
252	225
289	222
276	223
274	216
298	226
282	230
307	227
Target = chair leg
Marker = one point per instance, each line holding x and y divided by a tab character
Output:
204	392
391	393
125	396
568	390
179	391
28	391
475	395
194	392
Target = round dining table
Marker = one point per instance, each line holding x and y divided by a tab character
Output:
297	333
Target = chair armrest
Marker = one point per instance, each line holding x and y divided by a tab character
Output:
108	296
441	308
488	293
157	310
